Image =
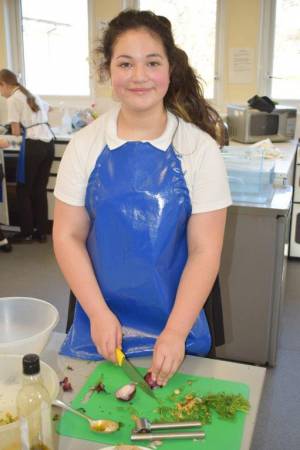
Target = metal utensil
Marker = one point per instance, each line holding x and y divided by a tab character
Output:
133	373
143	425
99	425
172	435
143	430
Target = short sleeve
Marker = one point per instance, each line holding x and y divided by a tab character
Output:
210	188
71	178
14	110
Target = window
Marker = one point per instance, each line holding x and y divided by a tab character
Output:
194	24
54	46
285	79
281	52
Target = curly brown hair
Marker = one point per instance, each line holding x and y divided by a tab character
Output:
185	96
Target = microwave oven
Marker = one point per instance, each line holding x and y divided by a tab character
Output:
249	125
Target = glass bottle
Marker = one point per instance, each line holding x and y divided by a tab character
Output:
34	408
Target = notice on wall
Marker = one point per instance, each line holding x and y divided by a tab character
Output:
241	65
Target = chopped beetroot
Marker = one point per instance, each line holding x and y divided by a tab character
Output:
66	385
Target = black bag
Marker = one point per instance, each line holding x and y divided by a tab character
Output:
262	103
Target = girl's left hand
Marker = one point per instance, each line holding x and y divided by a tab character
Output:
4	143
168	354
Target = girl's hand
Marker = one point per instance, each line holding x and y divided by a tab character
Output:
4	143
168	355
106	332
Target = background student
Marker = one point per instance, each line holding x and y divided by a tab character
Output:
28	116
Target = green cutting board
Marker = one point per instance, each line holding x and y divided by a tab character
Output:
220	434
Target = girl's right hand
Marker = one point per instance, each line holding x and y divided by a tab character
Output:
4	143
106	332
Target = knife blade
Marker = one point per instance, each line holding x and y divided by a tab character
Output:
133	373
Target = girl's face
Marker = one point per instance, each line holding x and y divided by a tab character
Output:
139	70
5	89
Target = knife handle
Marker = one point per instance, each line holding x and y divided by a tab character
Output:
119	356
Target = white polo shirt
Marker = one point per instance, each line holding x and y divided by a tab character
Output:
202	164
19	111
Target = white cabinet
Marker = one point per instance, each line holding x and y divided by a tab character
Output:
3	194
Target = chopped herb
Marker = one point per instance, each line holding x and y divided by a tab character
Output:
132	411
82	410
69	368
193	407
99	387
227	405
55	418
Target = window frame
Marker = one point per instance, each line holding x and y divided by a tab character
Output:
266	52
218	98
15	53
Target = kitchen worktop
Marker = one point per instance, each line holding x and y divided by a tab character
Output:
284	164
59	137
279	203
251	375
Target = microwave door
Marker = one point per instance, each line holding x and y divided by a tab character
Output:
262	125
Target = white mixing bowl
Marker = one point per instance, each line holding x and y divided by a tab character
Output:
25	324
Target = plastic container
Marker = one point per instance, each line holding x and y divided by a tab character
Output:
66	122
10	383
250	175
25	324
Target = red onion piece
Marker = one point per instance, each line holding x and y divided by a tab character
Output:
151	383
126	393
66	385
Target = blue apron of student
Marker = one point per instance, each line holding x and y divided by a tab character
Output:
139	206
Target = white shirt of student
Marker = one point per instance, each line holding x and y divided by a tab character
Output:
19	111
202	164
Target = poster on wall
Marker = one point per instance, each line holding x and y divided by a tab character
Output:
241	65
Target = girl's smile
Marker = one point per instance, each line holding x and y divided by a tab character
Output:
139	70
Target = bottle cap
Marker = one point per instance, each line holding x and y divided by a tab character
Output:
31	364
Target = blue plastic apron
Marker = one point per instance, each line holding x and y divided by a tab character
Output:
20	177
139	207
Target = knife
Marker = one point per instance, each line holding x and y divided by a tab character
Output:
133	373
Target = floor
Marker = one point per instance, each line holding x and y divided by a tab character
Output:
31	270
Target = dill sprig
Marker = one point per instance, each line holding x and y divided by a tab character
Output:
193	407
